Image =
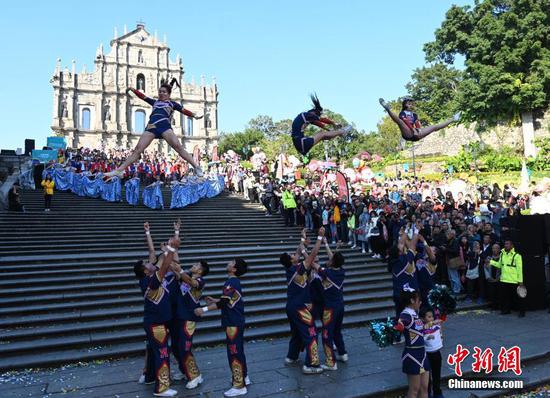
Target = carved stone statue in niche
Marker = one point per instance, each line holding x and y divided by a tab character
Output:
64	110
107	111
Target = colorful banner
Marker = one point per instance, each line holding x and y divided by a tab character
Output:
44	155
343	189
56	142
336	179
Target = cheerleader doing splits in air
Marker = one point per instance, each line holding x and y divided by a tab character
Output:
304	144
159	126
411	129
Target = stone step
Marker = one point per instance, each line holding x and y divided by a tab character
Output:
125	273
94	349
260	294
69	291
109	336
353	264
135	321
65	291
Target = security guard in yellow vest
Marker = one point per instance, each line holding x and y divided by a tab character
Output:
289	205
510	264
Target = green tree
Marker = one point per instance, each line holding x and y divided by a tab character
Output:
240	141
507	56
434	89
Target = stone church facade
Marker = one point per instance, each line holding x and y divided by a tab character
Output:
92	109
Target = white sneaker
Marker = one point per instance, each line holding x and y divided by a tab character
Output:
167	393
289	361
456	116
194	383
326	367
247	381
177	376
141	379
311	370
347	129
353	247
362	251
342	358
350	243
235	392
383	103
198	171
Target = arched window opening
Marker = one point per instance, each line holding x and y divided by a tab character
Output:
86	118
139	121
140	83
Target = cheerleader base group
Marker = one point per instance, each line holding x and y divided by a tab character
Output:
314	306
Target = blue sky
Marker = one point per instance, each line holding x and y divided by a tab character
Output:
267	56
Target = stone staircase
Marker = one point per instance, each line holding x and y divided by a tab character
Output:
69	294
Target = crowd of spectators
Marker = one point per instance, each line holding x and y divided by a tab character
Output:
467	228
152	165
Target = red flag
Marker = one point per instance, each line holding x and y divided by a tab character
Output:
196	154
215	156
342	185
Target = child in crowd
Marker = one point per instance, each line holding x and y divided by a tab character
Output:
433	341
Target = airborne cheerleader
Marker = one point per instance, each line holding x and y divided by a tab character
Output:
304	144
410	126
159	126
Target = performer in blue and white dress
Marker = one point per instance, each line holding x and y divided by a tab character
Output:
415	363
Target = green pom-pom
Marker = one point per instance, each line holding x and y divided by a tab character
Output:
440	298
382	332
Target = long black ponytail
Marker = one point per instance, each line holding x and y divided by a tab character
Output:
169	85
317	108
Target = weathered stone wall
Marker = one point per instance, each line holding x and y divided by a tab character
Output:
450	141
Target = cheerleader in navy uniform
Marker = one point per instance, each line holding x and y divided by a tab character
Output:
333	312
304	144
157	315
402	266
415	363
409	124
191	284
159	126
232	305
298	308
426	266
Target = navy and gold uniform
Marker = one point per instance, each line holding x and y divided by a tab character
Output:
232	306
316	293
159	121
172	285
157	315
302	143
425	271
333	312
414	359
411	120
302	324
403	271
188	298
